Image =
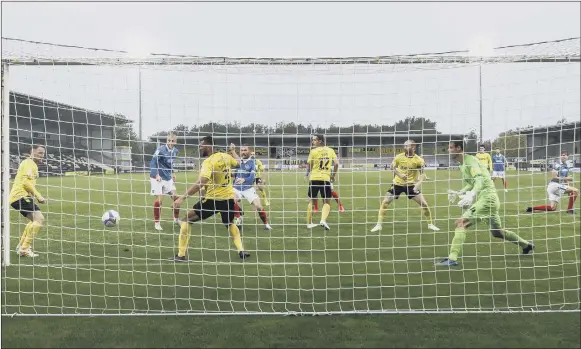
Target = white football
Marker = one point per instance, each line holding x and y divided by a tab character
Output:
110	218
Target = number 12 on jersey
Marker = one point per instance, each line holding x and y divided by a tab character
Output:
324	163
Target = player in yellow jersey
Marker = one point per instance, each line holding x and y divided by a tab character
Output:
484	158
260	181
216	180
408	169
22	198
321	161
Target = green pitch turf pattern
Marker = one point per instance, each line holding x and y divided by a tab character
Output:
85	268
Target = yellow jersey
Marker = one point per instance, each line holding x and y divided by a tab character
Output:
25	181
321	160
217	168
411	166
485	160
259	168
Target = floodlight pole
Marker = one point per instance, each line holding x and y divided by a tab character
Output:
140	116
480	97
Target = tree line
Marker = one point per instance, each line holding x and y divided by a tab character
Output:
511	142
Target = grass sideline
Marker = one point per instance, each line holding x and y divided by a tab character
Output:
522	330
85	267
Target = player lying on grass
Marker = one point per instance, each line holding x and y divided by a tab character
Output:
162	178
481	204
260	181
408	170
244	185
559	185
215	177
22	197
319	164
499	168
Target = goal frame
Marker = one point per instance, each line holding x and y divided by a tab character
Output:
444	58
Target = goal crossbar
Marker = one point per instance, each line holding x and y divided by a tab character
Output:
233	61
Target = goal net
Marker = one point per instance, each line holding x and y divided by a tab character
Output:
102	115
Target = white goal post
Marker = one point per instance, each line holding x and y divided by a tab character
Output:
102	114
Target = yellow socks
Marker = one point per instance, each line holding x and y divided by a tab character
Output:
262	194
382	213
28	235
326	210
310	213
427	214
236	237
185	231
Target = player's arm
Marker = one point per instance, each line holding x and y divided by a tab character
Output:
395	168
28	184
203	179
422	175
335	167
489	160
309	162
234	155
154	164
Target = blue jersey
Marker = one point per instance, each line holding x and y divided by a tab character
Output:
162	162
498	161
562	169
246	171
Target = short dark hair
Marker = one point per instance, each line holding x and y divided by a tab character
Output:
208	140
36	146
482	146
458	144
246	145
320	137
564	152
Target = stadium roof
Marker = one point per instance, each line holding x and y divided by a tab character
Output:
60	109
568	126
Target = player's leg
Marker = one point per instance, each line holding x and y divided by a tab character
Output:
391	195
312	193
462	224
573	195
419	198
254	200
197	213
31	211
157	192
498	232
554	196
504	181
326	196
261	185
170	189
237	207
226	209
336	197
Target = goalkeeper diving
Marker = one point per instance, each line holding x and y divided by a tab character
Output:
481	204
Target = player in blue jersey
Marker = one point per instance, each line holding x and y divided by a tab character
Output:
162	178
499	168
244	184
559	185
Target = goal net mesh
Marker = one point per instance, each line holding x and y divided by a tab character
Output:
102	114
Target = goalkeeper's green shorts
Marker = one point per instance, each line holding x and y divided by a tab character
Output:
485	210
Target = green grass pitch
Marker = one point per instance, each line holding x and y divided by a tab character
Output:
85	268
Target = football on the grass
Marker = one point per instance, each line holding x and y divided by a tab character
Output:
110	218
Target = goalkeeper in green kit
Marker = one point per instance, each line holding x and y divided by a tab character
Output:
480	202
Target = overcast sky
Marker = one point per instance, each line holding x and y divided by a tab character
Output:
514	94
